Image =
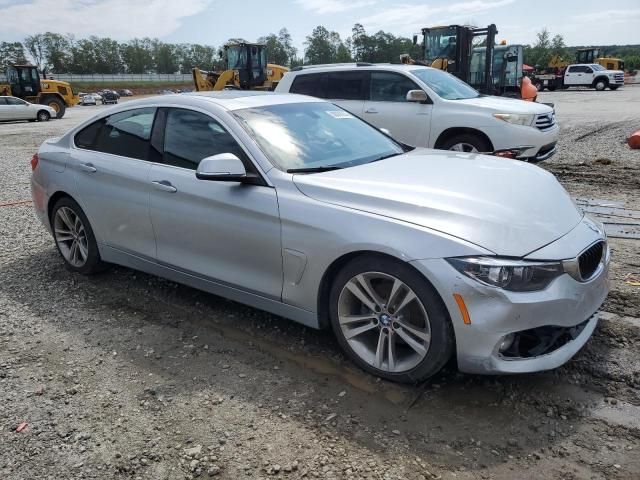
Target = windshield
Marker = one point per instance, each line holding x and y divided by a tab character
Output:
315	135
597	67
444	84
440	43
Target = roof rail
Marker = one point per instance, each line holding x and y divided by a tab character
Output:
324	65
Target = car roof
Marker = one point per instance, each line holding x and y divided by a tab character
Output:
357	66
226	99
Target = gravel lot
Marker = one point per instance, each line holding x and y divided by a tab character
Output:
124	375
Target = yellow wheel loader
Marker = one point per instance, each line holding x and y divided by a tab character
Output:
25	82
246	69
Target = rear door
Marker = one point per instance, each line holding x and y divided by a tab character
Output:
225	231
348	89
387	107
111	163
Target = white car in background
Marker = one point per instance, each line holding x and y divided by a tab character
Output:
88	99
13	108
426	107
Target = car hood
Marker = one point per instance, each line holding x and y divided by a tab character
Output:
505	105
506	206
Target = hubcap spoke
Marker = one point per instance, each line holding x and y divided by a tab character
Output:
380	349
63	235
356	289
409	297
418	333
354	332
64	216
347	319
419	348
391	352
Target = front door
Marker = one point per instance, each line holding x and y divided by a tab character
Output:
387	107
225	231
112	163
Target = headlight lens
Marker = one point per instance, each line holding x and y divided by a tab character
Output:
516	118
513	275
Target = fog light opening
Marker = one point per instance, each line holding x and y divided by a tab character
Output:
506	343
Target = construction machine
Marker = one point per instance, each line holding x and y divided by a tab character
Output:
24	82
592	55
246	69
471	54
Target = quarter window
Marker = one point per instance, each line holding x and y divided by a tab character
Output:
192	136
346	85
390	87
126	134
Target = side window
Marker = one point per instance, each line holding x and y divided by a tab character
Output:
587	70
346	85
3	101
310	84
126	134
573	69
390	87
15	101
191	136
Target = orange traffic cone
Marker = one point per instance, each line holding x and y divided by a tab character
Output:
634	140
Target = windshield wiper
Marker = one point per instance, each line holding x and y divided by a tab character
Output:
383	157
313	169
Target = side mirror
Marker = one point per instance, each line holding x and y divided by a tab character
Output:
415	39
418	96
224	167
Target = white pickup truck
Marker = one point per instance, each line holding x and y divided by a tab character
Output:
581	75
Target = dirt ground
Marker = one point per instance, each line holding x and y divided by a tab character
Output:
124	375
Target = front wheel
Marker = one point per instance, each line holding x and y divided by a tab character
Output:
43	116
57	104
600	85
389	320
74	237
466	142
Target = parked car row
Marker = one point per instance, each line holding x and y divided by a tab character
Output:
295	205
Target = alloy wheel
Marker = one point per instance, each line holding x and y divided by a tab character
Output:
43	116
384	322
464	147
71	236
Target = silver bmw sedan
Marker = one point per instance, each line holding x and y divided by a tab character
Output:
295	206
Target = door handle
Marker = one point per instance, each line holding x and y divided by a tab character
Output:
88	167
164	185
371	110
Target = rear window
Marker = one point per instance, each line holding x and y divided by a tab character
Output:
126	134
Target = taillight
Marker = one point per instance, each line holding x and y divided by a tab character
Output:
34	161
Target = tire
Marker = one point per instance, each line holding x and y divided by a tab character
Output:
424	314
57	104
600	84
614	87
70	226
43	116
466	142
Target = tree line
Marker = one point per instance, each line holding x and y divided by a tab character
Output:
101	55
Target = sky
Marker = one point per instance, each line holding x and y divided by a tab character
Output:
212	22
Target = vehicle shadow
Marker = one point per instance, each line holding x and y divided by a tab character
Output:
201	343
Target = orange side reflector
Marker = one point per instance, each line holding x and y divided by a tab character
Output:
463	308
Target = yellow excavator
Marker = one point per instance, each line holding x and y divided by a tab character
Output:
25	82
246	69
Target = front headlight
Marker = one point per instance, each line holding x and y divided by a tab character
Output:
513	275
516	118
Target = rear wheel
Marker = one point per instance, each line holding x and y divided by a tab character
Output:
57	104
74	237
43	116
390	320
466	142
